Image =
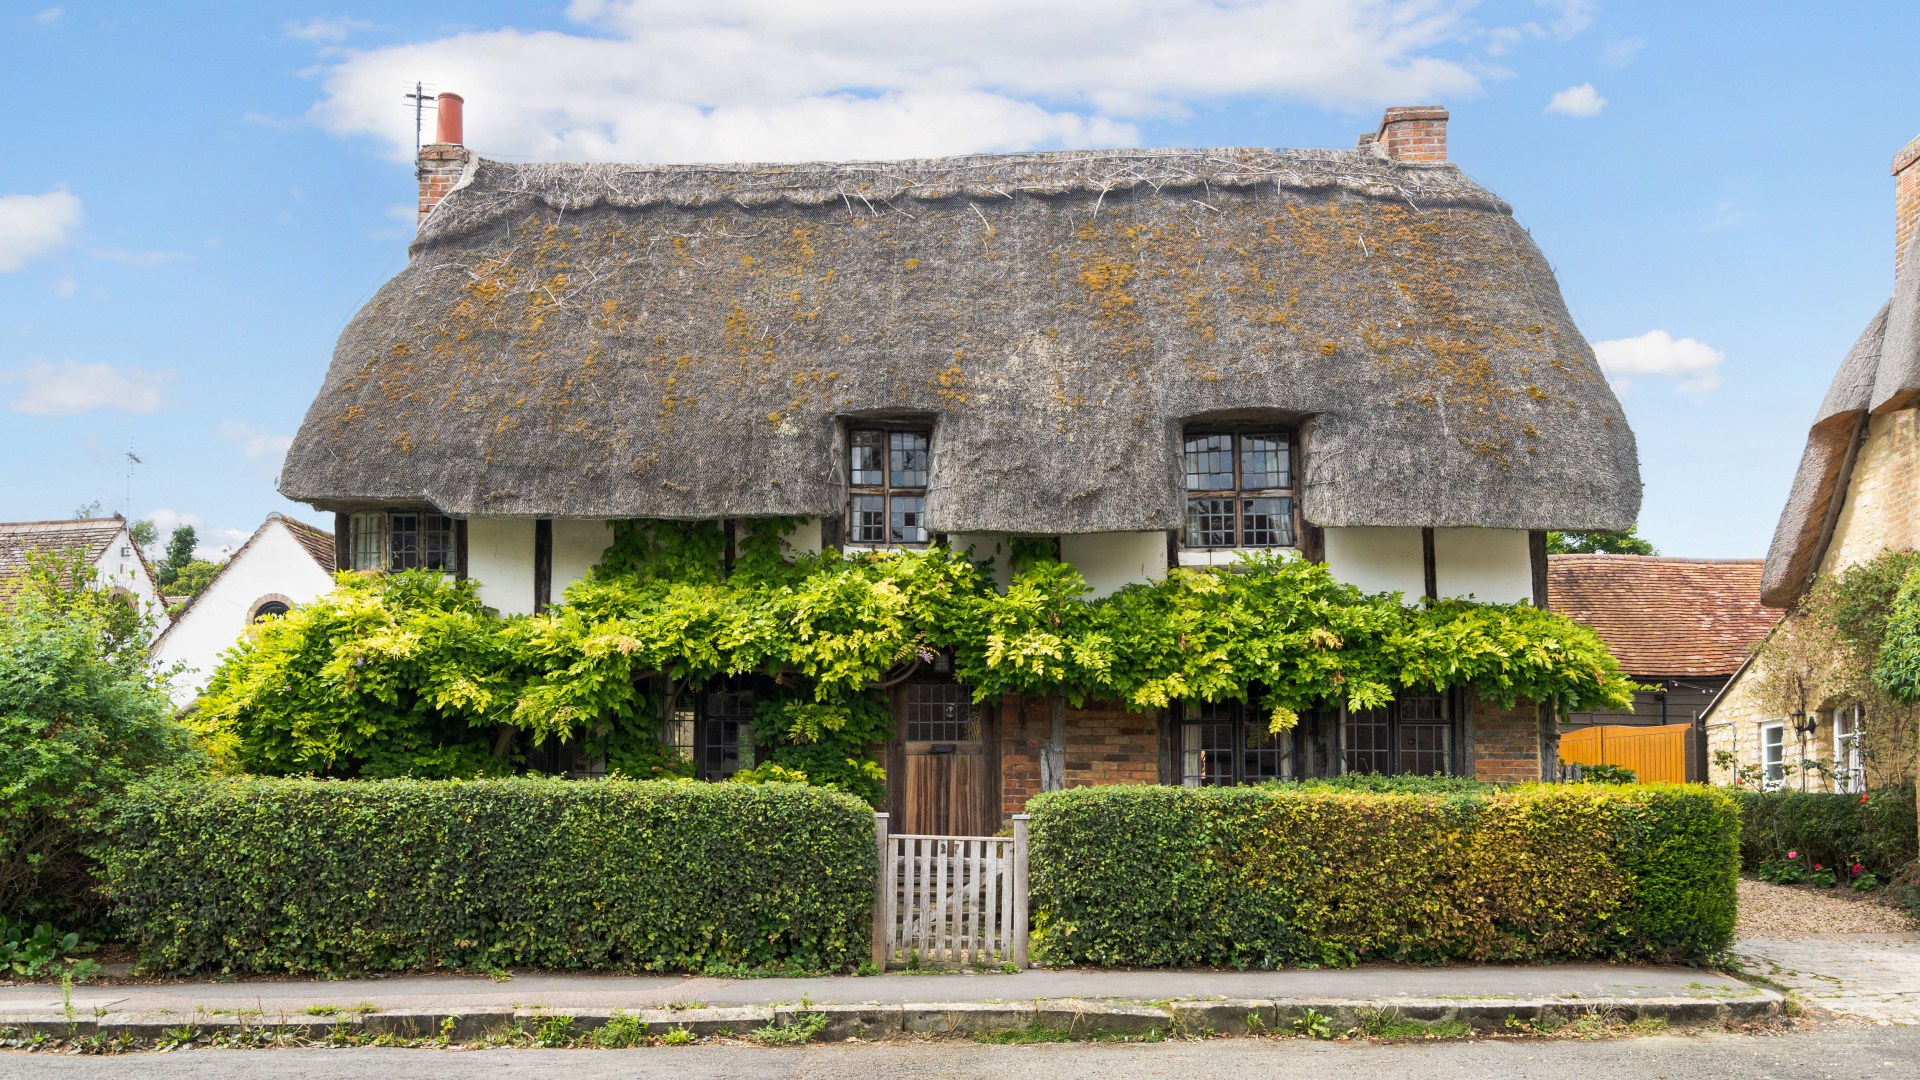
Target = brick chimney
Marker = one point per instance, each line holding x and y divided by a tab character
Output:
443	160
1414	133
1906	200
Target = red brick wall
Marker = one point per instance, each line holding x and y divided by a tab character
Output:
1105	744
1414	133
439	169
1906	200
1506	742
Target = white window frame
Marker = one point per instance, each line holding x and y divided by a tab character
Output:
1773	756
1849	767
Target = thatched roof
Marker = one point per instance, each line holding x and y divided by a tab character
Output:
1881	373
686	341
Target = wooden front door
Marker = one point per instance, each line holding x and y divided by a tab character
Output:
943	772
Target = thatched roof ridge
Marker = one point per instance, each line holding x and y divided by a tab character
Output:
686	342
1881	373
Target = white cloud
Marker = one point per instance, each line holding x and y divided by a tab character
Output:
1621	53
1692	366
143	259
65	288
209	542
49	16
68	388
326	30
659	80
257	444
1582	100
32	225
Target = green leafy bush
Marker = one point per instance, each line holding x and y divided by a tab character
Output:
267	876
80	717
1269	876
1876	830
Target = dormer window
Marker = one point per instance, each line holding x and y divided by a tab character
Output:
1239	489
396	540
887	486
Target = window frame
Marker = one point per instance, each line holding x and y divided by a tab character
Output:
1240	494
370	536
1396	724
886	491
1773	774
1241	717
1849	760
695	707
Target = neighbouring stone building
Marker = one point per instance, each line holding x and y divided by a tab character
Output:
1158	357
1856	495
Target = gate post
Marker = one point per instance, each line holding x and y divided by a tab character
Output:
881	888
1019	897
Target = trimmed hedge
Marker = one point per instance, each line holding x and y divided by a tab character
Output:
1263	877
329	876
1829	829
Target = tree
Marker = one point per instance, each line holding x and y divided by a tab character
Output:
193	578
87	510
179	553
144	532
81	716
1599	543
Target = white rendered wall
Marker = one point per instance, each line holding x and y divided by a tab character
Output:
1379	559
273	563
578	544
1111	561
500	559
803	540
1492	566
983	546
119	567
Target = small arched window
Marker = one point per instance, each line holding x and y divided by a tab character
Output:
269	610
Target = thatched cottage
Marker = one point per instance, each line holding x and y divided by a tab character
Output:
1856	495
1160	357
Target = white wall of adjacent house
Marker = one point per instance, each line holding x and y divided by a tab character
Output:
120	569
274	565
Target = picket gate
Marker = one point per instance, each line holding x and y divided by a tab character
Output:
951	901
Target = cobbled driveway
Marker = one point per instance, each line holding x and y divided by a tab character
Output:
1872	977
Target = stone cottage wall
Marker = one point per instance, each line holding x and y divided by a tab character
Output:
1882	509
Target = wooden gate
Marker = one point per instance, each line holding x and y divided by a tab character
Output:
951	901
1655	754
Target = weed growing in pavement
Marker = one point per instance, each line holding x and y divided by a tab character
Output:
1032	1033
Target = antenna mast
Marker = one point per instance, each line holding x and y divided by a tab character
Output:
422	101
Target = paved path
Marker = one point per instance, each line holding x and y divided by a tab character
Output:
1831	1050
455	993
1872	977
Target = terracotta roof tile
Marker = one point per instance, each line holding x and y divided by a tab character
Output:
318	542
1662	616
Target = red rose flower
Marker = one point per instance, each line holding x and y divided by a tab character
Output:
1857	869
1793	854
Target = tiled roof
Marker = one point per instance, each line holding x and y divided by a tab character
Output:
19	539
318	542
1663	616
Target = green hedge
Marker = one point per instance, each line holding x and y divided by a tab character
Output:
1263	877
332	876
1832	830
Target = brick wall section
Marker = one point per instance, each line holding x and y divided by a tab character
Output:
1506	742
1906	200
1880	510
1414	133
439	168
1106	744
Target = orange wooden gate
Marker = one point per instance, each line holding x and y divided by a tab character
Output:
1655	754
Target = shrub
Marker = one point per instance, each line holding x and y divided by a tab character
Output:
1276	875
80	717
263	876
1877	830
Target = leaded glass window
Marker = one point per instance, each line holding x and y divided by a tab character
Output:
1239	489
1231	743
399	540
887	471
1410	736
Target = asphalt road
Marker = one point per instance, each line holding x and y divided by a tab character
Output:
1826	1051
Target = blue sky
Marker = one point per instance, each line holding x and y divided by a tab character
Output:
194	198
